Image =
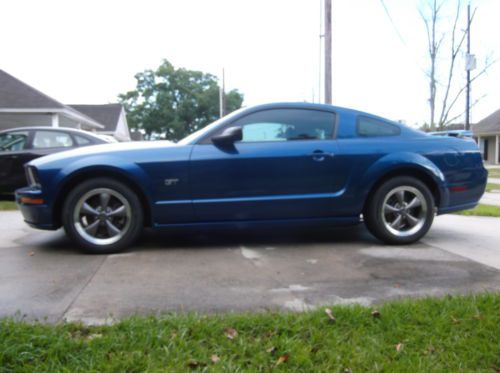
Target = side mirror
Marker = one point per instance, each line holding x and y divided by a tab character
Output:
229	136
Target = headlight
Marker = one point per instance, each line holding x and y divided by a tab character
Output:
32	177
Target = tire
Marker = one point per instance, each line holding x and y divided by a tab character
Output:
401	211
102	216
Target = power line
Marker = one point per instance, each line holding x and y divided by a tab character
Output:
400	37
392	23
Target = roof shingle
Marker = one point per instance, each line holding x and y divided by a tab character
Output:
490	124
107	115
15	94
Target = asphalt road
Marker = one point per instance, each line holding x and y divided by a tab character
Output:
43	276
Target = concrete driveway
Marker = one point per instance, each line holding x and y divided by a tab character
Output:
43	276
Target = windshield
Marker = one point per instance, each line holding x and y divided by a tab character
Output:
189	139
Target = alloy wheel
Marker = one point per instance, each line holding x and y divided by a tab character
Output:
102	216
404	211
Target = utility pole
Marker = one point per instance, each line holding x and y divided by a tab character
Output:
328	51
469	67
222	105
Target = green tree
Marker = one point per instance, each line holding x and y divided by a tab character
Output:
175	102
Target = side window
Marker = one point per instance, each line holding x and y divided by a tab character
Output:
81	141
253	132
287	125
370	127
51	139
13	141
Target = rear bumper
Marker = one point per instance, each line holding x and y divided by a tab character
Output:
38	216
465	194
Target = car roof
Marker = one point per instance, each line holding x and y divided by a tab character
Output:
301	105
313	106
59	129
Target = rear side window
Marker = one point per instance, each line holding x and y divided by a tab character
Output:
81	141
13	141
370	127
51	139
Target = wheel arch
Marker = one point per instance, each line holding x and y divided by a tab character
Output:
70	181
417	172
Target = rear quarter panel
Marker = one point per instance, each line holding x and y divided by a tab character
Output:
448	162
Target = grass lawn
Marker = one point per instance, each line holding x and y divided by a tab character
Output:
7	205
494	172
490	187
482	210
428	335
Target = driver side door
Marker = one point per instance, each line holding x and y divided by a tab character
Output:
283	168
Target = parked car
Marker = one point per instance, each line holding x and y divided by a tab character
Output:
290	163
20	145
461	134
107	138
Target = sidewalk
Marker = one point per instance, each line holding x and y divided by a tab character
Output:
493	180
491	199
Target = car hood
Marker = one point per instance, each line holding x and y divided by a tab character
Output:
104	149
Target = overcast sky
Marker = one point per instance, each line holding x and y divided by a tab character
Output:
86	51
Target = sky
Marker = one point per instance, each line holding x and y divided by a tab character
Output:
88	51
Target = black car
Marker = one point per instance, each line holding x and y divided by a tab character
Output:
21	145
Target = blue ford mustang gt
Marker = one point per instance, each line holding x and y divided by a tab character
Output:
276	163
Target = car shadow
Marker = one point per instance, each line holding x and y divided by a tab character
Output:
209	238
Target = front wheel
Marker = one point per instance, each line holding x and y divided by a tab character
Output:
102	215
401	211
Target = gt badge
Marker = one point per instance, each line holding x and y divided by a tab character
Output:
170	182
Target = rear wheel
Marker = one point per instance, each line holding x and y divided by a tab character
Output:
102	215
401	211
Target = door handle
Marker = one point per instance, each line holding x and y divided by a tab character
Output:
320	155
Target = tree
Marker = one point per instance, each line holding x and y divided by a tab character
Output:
175	102
444	88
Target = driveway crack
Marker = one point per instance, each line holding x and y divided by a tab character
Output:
66	310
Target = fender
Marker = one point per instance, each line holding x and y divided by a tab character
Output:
127	169
403	161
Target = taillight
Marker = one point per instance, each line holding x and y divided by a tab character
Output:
459	188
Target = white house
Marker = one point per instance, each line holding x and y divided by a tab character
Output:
487	133
22	105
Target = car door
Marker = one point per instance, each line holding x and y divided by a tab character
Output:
13	155
283	168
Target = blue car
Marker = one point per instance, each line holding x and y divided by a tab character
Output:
288	163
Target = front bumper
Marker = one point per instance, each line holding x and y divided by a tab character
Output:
38	216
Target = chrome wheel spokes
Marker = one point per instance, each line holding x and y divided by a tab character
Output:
86	208
102	216
404	211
